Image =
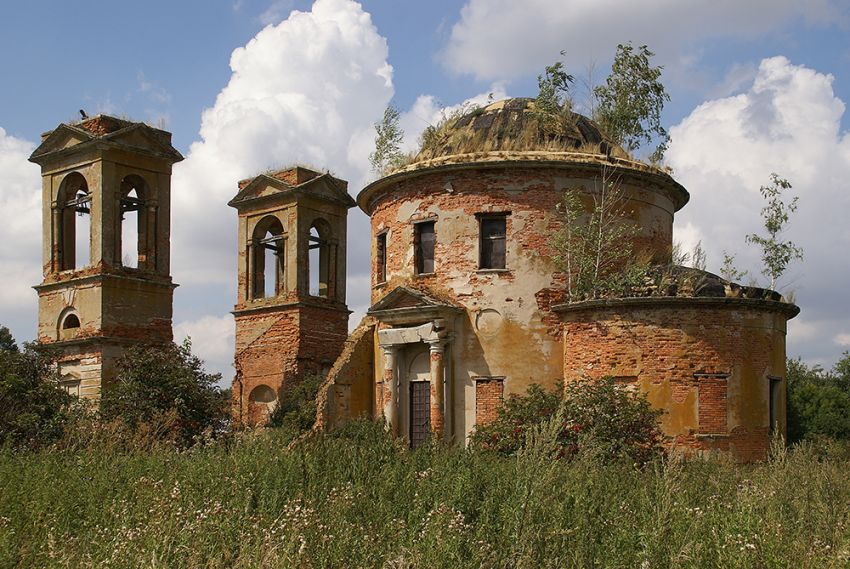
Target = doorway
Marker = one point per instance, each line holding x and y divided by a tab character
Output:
420	412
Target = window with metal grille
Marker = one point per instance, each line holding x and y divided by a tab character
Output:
423	241
492	242
420	412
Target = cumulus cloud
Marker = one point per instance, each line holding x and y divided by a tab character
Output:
786	121
20	235
503	39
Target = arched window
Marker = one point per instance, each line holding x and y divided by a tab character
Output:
261	403
268	258
132	245
73	205
318	261
69	325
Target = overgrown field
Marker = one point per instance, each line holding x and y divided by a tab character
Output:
356	499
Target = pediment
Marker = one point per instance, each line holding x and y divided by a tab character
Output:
60	138
404	297
137	136
324	187
141	136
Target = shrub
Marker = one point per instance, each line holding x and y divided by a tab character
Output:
818	401
34	409
166	381
296	408
599	416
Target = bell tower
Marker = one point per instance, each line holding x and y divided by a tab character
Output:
291	316
106	195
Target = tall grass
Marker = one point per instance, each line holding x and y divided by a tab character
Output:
357	499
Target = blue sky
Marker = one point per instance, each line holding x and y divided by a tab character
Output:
756	87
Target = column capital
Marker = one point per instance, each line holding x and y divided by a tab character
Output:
390	349
437	346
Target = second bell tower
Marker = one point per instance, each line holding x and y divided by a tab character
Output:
291	316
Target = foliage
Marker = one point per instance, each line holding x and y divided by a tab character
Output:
730	271
631	100
296	408
594	246
153	381
358	500
818	401
599	417
7	342
552	104
34	409
696	258
776	254
388	139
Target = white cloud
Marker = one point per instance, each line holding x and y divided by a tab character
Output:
20	235
300	91
787	121
503	39
212	340
427	111
842	340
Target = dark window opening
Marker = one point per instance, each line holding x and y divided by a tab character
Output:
492	244
424	240
775	391
381	258
71	321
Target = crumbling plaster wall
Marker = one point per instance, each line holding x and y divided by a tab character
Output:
680	354
507	330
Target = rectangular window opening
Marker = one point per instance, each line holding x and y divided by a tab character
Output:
775	391
424	241
381	255
492	242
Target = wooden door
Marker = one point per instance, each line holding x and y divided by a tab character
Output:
420	412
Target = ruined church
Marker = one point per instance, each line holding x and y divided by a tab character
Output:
468	305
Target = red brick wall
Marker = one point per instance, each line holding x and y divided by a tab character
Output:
488	397
489	190
278	346
712	405
672	348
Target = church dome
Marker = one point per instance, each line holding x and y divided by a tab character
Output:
515	125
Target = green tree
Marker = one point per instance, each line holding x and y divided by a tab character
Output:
388	139
552	104
7	342
776	254
594	245
631	100
34	409
729	270
152	381
818	401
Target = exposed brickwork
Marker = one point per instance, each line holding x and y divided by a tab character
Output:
489	393
712	405
102	125
672	350
277	347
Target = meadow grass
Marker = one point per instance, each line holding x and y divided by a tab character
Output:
358	499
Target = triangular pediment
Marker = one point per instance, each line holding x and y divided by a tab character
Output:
324	187
61	138
141	136
404	297
137	136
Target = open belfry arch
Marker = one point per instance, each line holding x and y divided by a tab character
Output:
106	196
291	316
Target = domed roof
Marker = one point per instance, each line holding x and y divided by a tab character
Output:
515	125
